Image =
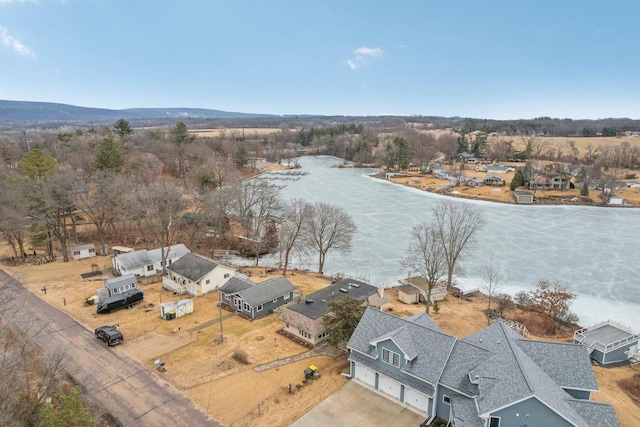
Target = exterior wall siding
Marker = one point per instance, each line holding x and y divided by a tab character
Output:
443	410
618	355
532	413
579	394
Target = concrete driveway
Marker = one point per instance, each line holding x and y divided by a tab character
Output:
355	405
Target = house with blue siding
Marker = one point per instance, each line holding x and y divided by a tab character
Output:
493	378
256	299
607	342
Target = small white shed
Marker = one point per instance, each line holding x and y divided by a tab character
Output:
83	251
173	310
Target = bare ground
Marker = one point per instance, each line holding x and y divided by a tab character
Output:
235	393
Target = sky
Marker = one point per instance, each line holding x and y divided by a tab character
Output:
506	59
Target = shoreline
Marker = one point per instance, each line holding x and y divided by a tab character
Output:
546	199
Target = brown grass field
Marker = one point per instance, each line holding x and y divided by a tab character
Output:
235	393
237	132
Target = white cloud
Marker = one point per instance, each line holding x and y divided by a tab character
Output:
363	55
13	43
368	51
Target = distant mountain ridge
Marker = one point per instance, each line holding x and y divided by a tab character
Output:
34	112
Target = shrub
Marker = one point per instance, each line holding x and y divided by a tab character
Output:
503	301
241	356
522	298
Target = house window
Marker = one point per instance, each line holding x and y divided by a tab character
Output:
275	300
91	250
390	357
322	335
227	297
259	307
208	281
149	267
304	333
76	253
246	307
226	276
287	296
494	422
446	399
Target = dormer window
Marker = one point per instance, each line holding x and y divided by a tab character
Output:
391	357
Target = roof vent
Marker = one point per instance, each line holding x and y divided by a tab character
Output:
344	290
308	301
355	285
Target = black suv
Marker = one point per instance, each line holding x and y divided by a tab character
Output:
111	335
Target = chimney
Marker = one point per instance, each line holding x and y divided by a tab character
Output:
381	292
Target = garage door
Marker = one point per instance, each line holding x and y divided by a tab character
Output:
389	386
365	375
417	400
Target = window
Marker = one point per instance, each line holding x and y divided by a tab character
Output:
390	357
287	296
208	281
226	276
76	253
494	422
246	307
322	335
259	307
149	267
227	297
304	333
446	399
91	250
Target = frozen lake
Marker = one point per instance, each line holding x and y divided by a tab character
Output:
591	250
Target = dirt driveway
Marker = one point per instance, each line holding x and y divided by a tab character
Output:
356	405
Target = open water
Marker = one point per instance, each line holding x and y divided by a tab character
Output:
591	250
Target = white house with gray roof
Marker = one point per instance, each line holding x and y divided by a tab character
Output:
145	262
493	378
256	299
196	275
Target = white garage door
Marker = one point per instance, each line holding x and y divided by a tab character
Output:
416	399
365	375
389	386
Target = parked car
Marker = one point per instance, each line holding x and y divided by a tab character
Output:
128	299
111	335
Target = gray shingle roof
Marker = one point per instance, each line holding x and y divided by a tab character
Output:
134	259
568	365
236	284
266	291
464	412
431	348
116	282
598	414
175	251
495	366
510	375
320	298
193	266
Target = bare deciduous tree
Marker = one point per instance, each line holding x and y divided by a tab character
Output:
158	208
456	225
330	227
426	255
493	277
100	198
293	229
